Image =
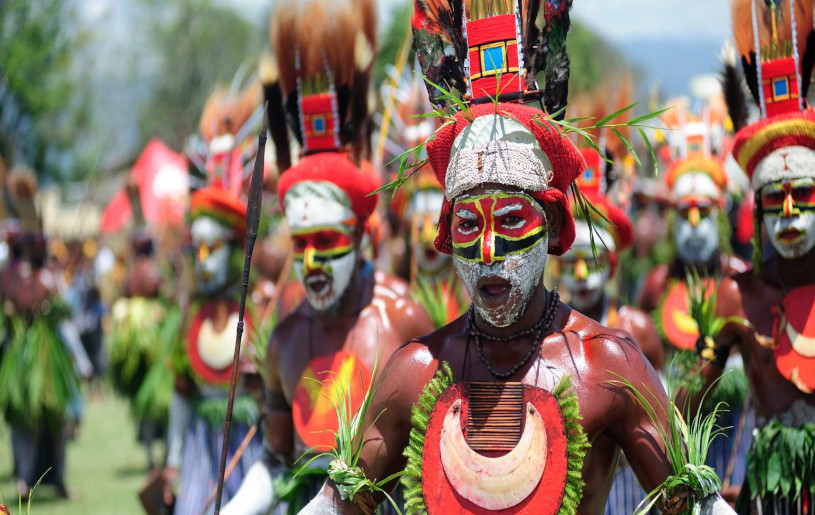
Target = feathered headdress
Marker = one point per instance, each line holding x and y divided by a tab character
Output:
776	42
777	47
499	48
225	151
318	81
319	75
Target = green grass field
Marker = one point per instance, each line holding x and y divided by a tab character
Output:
106	465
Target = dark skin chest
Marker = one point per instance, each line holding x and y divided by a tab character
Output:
757	300
576	347
379	322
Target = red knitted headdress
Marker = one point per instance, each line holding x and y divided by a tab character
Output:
337	169
566	164
221	205
755	142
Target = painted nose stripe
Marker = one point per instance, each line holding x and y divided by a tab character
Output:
503	247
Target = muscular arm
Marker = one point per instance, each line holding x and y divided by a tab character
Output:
637	435
278	425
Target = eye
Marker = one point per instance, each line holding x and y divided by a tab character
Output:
467	226
773	196
299	244
326	240
705	210
803	192
512	221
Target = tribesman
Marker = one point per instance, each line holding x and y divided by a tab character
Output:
353	315
776	298
42	356
416	206
141	331
203	363
586	271
511	408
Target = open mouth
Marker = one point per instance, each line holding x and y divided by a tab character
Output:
493	290
790	235
319	284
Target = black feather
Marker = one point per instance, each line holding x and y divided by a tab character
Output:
534	53
358	115
734	96
751	75
293	115
807	63
277	124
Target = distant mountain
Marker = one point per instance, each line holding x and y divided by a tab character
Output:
671	63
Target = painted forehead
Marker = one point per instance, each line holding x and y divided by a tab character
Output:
695	184
207	229
316	204
498	194
603	240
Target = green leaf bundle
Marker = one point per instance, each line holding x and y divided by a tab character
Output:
37	376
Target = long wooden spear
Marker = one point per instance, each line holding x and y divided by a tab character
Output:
252	223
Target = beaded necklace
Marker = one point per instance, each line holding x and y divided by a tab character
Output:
536	330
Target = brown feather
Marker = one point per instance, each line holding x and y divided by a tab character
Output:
223	114
742	20
284	40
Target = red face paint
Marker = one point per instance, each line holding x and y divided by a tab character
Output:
788	198
316	246
489	227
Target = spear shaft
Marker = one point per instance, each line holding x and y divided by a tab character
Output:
252	223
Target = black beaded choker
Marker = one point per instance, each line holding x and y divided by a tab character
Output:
537	330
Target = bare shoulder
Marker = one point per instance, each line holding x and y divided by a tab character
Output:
603	352
397	308
653	286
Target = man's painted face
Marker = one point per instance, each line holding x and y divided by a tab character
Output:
324	262
500	245
212	244
426	208
322	224
696	233
582	276
788	210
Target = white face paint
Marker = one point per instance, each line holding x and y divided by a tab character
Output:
211	240
697	244
795	247
696	232
500	247
788	212
582	276
321	222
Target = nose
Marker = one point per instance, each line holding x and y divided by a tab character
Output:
694	216
428	233
488	245
581	270
789	206
309	263
203	253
